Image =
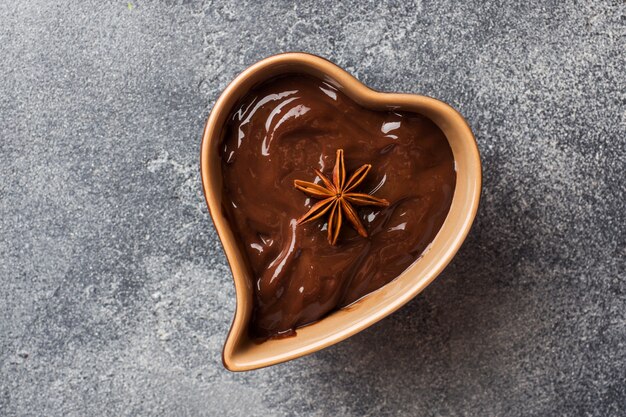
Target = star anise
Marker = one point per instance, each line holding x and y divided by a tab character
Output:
337	197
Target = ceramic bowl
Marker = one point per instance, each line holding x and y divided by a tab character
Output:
240	352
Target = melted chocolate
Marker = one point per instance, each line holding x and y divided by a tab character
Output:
284	129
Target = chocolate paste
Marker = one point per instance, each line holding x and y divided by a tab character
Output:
284	129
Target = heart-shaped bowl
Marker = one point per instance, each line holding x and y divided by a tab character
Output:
241	352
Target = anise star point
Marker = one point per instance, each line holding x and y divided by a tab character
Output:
337	198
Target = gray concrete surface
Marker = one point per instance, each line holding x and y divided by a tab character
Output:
115	296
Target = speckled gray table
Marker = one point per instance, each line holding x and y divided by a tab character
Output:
115	296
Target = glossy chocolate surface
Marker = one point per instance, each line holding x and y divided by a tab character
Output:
284	129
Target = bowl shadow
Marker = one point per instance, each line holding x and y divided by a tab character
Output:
446	340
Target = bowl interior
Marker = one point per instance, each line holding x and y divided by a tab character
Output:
240	353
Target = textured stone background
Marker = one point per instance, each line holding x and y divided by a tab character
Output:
115	296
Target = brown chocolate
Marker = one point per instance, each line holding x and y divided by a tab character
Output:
283	130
